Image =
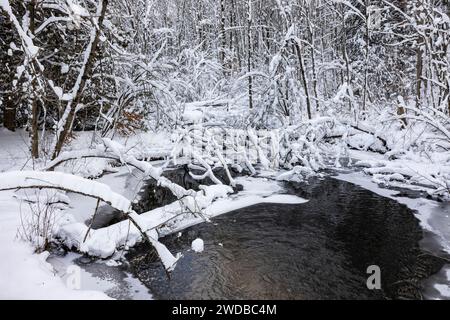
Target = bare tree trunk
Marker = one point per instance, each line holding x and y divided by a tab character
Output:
347	78
238	39
9	114
231	43
249	55
223	40
303	76
34	135
401	112
419	63
314	82
69	114
322	60
419	71
367	47
313	59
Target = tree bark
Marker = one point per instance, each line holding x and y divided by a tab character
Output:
223	40
367	47
312	40
9	114
70	112
303	76
249	55
34	135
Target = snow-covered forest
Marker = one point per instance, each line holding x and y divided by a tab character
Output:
113	103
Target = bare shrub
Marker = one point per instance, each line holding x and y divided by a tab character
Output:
38	220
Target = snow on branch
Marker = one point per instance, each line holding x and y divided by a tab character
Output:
291	147
98	243
57	180
431	117
27	43
189	202
114	151
64	125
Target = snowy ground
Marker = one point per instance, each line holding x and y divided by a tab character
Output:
23	274
101	276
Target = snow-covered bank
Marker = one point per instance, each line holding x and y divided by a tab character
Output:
430	174
24	274
104	276
441	283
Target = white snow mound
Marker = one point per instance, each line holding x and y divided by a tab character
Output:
198	245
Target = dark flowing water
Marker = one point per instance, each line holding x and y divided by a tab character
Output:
317	250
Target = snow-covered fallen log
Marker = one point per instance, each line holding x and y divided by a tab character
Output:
297	174
433	177
74	234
